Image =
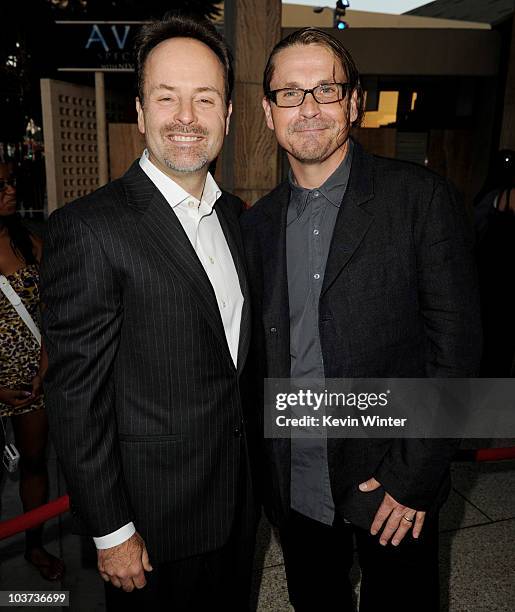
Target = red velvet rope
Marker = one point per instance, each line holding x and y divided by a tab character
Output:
35	517
486	454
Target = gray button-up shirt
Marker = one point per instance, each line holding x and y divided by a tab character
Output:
310	224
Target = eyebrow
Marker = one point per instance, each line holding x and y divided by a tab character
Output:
296	85
196	90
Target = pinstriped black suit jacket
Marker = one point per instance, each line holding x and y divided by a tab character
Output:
142	395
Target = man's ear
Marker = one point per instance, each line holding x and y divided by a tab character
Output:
141	117
353	107
267	107
228	118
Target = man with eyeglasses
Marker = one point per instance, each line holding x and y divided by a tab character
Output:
359	267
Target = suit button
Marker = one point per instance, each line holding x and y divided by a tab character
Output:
237	432
273	330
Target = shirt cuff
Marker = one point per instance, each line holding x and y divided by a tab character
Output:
116	537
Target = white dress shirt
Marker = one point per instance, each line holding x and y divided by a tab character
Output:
200	222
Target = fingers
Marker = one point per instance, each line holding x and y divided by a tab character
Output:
114	580
400	523
127	584
21	403
419	522
20	397
145	560
133	578
139	580
370	485
395	520
404	526
393	524
382	514
105	577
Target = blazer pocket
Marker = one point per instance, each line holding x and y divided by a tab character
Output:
149	438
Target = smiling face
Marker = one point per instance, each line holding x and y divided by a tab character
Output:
8	193
184	116
310	133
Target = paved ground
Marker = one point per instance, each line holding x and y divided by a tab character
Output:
477	548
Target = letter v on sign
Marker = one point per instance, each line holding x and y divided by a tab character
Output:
120	42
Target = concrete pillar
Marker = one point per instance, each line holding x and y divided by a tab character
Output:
102	152
250	166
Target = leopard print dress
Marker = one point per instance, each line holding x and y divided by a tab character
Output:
19	351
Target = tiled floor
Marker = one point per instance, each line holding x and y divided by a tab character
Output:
477	549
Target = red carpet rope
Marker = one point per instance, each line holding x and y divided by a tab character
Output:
35	517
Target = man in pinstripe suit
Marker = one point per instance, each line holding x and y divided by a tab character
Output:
147	329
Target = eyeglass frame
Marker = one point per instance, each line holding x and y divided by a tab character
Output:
11	182
272	95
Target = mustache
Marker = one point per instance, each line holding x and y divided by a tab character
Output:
304	124
177	128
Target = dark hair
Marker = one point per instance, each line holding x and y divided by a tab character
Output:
20	238
179	26
314	36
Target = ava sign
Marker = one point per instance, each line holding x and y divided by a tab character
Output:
97	46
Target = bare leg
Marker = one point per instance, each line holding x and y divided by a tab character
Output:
31	433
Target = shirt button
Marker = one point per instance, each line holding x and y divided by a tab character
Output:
316	194
191	204
316	232
211	260
316	276
223	304
273	330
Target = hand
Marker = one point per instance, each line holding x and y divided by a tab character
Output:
16	397
397	524
125	565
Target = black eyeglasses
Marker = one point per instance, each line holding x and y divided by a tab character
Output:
10	181
323	94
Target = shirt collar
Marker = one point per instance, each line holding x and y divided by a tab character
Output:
174	193
334	187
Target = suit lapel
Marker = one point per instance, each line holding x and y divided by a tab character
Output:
276	308
276	314
168	239
353	221
231	229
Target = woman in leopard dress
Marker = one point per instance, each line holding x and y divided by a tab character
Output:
22	364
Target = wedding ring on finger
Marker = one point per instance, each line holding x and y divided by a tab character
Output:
407	518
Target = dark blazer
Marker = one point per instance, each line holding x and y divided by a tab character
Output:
142	394
398	299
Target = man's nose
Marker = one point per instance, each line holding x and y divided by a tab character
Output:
10	189
185	112
309	107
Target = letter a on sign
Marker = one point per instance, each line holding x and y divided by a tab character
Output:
96	37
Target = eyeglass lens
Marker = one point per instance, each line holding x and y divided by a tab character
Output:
323	94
